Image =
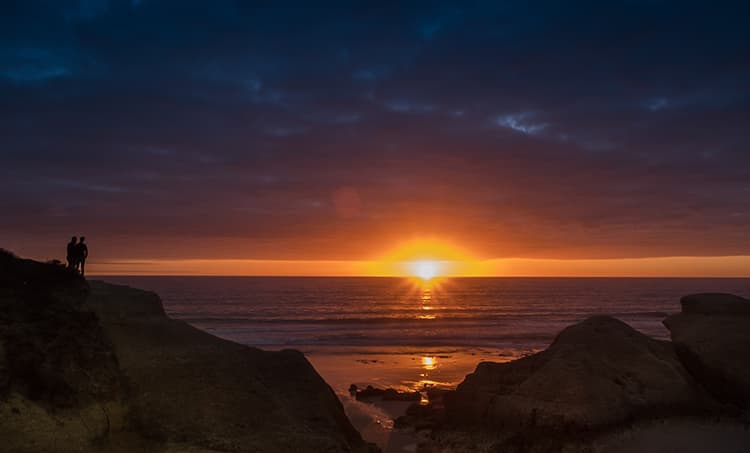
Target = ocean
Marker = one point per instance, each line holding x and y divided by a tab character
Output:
404	333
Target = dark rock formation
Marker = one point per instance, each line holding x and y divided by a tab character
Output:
190	387
419	417
100	367
52	348
57	367
596	374
712	338
715	304
388	394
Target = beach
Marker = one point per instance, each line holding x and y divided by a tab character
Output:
137	378
403	333
392	333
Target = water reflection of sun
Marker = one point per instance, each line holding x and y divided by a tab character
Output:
429	363
426	299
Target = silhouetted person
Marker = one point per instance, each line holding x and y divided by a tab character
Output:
71	256
82	252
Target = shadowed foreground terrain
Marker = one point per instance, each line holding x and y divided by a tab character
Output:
99	367
90	366
602	386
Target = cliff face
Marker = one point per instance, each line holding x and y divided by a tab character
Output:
100	367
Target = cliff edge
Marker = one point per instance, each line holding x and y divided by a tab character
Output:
100	367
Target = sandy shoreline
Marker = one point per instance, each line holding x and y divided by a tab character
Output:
400	368
374	420
159	383
404	368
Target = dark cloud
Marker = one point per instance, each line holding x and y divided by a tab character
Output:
232	129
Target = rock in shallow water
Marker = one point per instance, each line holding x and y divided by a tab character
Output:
712	338
596	374
388	394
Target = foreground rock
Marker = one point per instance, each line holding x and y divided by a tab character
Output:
189	386
712	338
597	373
103	369
60	383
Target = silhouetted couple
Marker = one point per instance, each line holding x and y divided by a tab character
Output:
77	254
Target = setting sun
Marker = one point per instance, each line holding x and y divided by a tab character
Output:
425	258
430	226
425	269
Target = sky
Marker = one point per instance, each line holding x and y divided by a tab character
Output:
240	135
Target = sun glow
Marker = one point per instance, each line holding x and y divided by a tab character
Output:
425	260
425	269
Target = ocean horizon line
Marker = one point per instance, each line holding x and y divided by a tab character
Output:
405	277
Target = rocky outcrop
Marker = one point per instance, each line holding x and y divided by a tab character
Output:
596	374
602	386
100	367
715	304
191	387
60	383
712	338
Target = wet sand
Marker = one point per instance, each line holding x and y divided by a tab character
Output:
374	421
408	369
401	368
